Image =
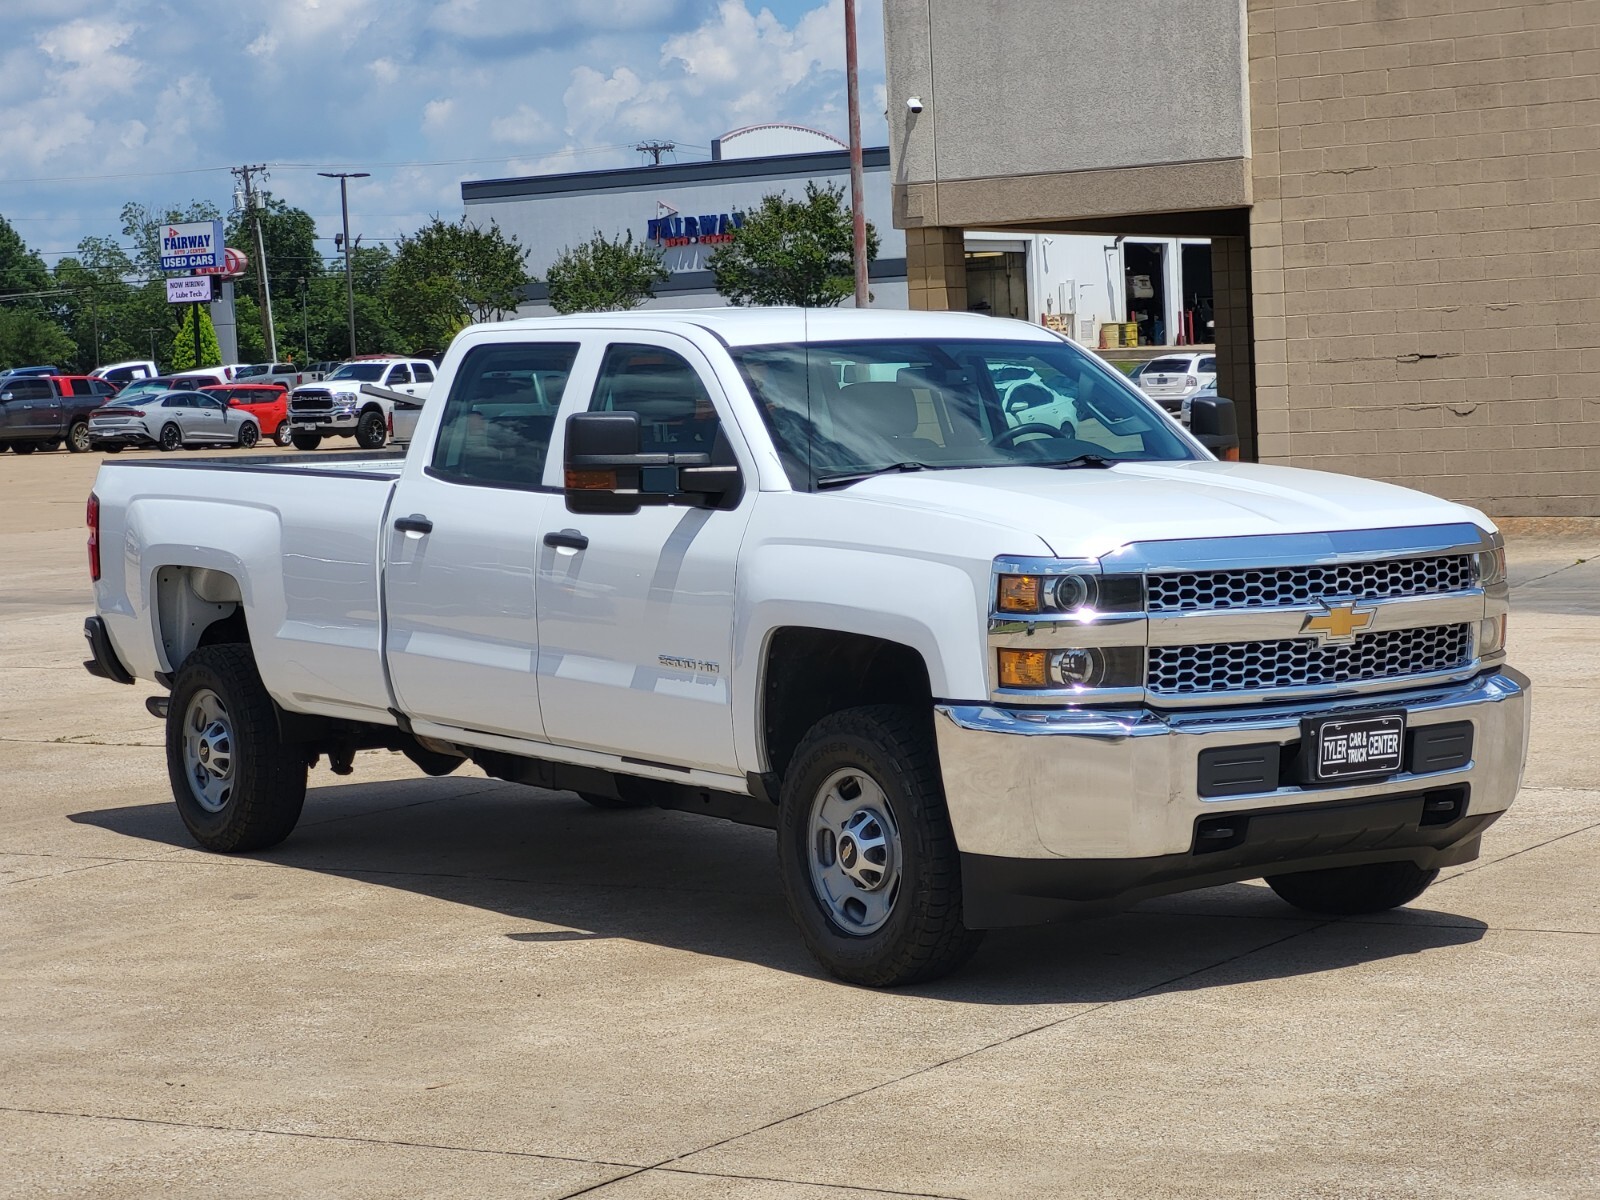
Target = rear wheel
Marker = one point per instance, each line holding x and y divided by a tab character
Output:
24	447
306	441
1350	891
371	431
170	438
78	437
285	435
237	784
249	435
869	864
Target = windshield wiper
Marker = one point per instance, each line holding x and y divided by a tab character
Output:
829	481
1081	460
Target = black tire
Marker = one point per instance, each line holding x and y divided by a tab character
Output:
112	449
284	436
171	437
922	937
78	437
24	447
268	776
1350	891
4	446
371	430
306	441
249	435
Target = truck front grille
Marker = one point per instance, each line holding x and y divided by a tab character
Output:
1272	587
311	402
1301	662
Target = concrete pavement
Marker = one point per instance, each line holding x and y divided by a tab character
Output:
459	987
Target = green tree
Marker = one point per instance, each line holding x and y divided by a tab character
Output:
28	337
142	225
792	252
30	306
98	307
604	275
448	273
183	341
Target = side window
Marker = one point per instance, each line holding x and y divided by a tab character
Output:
501	412
1208	365
675	412
41	389
400	373
423	371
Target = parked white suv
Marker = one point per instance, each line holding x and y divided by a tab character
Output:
339	406
1173	377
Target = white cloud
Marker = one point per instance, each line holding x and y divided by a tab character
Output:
436	114
384	70
520	127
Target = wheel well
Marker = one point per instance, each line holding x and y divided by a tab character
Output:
197	606
810	673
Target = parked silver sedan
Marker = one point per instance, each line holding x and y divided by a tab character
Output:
170	420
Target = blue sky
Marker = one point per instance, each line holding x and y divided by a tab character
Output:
106	101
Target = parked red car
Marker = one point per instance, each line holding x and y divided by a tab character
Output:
267	402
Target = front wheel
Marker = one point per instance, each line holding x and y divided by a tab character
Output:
285	434
171	438
371	430
237	784
306	441
249	435
1350	891
869	864
23	447
78	437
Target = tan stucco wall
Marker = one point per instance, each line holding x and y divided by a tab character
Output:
1425	244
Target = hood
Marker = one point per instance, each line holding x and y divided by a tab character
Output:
1087	513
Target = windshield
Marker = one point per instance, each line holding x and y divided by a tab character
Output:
837	409
252	369
144	387
361	372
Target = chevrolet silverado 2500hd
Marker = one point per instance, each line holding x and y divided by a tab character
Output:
977	663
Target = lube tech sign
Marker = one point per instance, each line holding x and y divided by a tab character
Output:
709	229
191	245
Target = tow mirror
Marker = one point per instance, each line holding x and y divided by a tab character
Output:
605	472
1214	421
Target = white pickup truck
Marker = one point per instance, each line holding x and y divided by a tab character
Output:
359	400
977	663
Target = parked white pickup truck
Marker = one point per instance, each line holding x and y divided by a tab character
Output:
805	570
357	400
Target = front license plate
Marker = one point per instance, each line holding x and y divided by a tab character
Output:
1354	747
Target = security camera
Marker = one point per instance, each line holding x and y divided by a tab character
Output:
915	104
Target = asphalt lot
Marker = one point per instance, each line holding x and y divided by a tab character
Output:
463	988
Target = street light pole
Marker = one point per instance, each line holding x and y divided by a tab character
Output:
349	278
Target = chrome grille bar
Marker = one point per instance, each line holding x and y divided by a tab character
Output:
1272	587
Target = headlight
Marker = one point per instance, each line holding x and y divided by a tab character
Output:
1492	567
1080	595
1080	667
1492	636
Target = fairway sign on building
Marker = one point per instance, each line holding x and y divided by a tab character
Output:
191	245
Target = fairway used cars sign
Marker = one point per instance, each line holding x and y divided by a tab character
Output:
190	245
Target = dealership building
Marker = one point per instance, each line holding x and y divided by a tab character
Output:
1402	197
1079	283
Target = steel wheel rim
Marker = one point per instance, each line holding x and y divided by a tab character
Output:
853	851
208	750
80	436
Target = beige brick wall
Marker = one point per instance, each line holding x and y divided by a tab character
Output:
1425	244
936	269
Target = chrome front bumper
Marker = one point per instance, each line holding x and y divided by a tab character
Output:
1052	784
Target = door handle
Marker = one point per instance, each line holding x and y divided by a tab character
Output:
415	523
569	539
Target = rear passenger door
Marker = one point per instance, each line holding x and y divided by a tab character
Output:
463	546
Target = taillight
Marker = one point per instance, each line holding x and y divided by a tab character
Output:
1189	381
93	519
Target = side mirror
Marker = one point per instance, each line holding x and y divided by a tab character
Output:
1214	421
605	472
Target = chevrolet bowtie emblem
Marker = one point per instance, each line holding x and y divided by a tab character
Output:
1338	624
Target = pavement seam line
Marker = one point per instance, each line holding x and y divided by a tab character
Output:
634	1168
843	1187
1484	865
1091	1010
1549	574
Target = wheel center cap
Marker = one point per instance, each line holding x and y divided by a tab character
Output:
847	852
205	752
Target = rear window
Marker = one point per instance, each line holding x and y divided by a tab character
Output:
1168	366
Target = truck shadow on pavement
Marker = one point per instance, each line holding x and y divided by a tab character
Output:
561	871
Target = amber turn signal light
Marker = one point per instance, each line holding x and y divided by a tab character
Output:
591	481
1019	593
1024	668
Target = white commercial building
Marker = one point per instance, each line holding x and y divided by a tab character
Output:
1075	282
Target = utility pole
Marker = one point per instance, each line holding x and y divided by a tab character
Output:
349	279
263	284
858	212
655	150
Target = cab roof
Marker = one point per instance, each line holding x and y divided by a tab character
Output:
764	326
